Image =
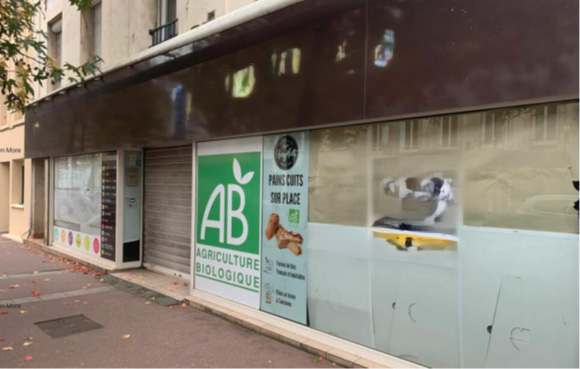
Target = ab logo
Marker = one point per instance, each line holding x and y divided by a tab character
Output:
229	201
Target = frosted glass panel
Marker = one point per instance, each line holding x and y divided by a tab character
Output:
77	193
449	241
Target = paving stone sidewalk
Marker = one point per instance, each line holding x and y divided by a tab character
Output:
139	328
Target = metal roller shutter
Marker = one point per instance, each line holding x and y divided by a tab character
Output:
167	210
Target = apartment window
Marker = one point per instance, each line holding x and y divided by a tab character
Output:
17	197
96	13
55	44
166	20
381	136
448	131
488	128
410	134
167	11
544	123
92	32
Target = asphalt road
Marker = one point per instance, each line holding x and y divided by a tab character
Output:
136	332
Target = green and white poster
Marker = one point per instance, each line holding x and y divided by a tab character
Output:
227	250
284	222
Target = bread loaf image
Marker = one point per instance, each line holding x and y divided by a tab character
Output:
284	238
295	248
283	234
272	227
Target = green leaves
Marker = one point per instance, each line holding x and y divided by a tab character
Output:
82	4
24	55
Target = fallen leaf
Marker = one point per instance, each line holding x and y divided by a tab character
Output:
175	283
35	282
28	358
101	280
27	343
125	336
35	272
35	293
88	285
185	284
7	348
13	286
147	302
23	311
77	300
85	302
3	312
152	298
183	304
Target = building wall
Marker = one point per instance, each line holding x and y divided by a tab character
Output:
14	217
125	32
192	13
125	27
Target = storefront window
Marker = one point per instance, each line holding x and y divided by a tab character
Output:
463	227
77	193
85	192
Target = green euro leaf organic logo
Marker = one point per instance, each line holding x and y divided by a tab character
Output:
227	212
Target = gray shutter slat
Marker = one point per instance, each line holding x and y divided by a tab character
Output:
167	208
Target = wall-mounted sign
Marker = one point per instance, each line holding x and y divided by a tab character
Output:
132	176
285	217
108	205
227	250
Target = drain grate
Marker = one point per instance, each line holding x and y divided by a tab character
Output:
67	326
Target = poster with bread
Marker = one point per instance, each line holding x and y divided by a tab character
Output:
284	222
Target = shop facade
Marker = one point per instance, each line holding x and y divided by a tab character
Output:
345	171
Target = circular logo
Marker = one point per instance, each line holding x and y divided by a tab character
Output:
56	234
78	240
96	246
286	152
70	238
87	243
62	236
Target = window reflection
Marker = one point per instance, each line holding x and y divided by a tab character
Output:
286	62
341	52
243	82
385	49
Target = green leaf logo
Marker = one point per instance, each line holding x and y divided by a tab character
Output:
238	174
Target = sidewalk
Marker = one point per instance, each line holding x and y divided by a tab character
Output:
139	328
